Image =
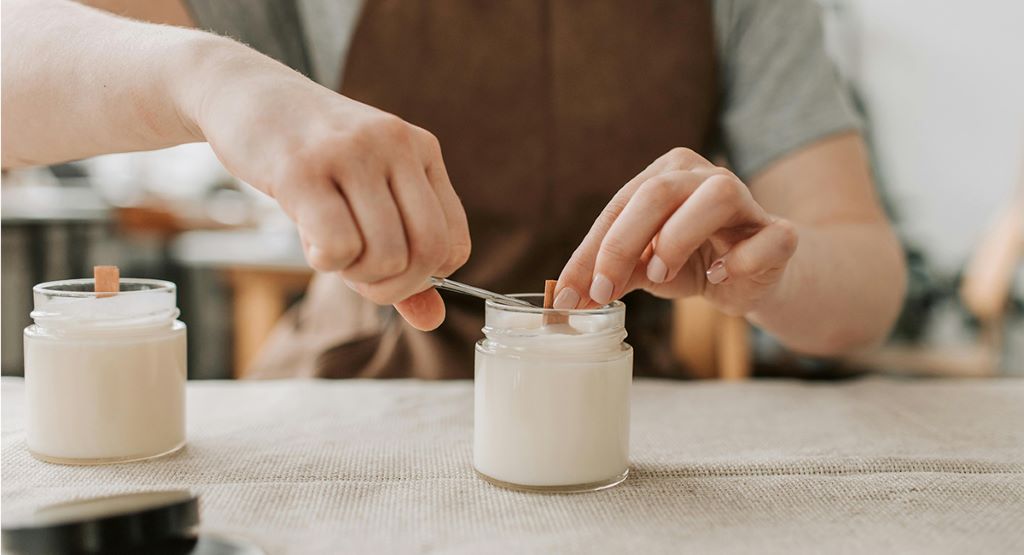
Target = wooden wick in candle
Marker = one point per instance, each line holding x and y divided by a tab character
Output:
107	279
549	301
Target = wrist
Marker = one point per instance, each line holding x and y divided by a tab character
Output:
208	68
186	77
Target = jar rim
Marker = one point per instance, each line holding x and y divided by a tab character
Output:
610	308
52	288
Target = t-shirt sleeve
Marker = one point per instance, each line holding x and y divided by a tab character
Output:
272	27
781	90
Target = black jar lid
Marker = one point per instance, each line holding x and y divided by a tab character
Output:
150	523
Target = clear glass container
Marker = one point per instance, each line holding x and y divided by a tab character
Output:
551	408
105	373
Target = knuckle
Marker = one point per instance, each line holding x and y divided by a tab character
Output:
724	172
381	131
429	141
431	251
319	262
614	250
670	247
723	189
610	213
459	252
739	265
657	189
346	250
682	156
350	144
576	271
394	262
788	238
394	129
324	261
435	253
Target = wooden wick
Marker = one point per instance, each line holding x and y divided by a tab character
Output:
107	279
549	301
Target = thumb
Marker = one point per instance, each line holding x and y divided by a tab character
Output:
769	249
424	310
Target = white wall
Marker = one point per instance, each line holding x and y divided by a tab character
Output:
943	81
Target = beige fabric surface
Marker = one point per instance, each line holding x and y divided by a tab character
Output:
311	467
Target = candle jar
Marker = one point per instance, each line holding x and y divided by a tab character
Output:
104	372
552	399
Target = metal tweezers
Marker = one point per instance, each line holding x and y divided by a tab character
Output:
447	284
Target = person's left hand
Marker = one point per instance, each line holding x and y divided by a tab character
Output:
681	227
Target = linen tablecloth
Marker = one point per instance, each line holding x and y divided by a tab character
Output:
310	467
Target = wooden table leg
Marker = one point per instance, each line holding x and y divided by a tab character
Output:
258	303
733	345
709	343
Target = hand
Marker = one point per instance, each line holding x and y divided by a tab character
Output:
369	192
682	227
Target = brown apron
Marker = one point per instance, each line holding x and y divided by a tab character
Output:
544	109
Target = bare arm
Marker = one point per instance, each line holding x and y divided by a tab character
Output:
368	192
805	251
79	82
844	286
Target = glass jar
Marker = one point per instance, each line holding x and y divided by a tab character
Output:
105	373
552	399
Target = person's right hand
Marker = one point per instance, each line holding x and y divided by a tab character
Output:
368	191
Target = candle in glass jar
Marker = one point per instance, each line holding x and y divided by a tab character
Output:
105	373
552	400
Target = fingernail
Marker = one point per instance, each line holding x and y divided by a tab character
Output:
601	289
567	299
717	273
657	271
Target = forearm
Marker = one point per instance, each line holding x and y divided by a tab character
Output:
841	291
80	82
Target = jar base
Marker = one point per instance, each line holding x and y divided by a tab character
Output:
571	488
111	460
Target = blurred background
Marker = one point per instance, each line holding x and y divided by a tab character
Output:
939	85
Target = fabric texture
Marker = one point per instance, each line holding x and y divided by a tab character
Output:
353	466
780	89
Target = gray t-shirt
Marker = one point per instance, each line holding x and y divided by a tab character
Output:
780	89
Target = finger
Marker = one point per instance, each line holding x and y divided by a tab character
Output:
329	233
424	310
573	289
385	252
631	233
763	253
575	281
720	201
426	234
459	243
682	158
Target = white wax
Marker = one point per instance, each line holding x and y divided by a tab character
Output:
552	421
103	397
